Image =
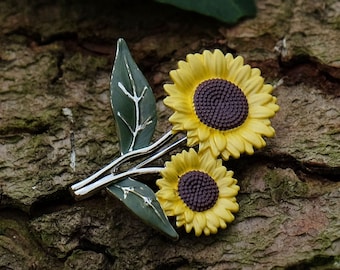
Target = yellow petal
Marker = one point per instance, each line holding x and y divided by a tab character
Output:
164	183
179	208
242	74
212	219
272	106
235	144
191	159
260	128
170	174
220	212
203	133
228	192
170	89
168	208
180	222
213	148
186	75
191	123
223	225
176	127
183	65
236	140
189	216
176	117
207	162
220	141
188	227
225	154
199	223
234	67
229	217
260	99
253	85
267	88
254	138
180	81
183	107
233	150
271	133
204	146
260	112
219	172
230	173
229	58
255	72
248	148
181	167
229	205
206	231
167	194
225	182
196	63
191	139
170	102
215	63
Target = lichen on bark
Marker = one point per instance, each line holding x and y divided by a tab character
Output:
55	65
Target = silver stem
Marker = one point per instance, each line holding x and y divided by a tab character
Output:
160	153
142	151
111	179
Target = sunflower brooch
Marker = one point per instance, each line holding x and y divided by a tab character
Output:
199	191
222	104
222	108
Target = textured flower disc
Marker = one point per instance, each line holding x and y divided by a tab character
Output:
199	191
222	104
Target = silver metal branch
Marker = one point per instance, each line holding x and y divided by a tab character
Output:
110	179
130	155
160	153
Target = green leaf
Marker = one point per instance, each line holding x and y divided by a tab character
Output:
142	201
133	102
229	11
134	108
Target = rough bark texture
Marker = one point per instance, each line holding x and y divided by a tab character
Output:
55	64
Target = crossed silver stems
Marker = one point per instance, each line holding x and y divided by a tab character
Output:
88	186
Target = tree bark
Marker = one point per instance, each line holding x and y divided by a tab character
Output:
56	128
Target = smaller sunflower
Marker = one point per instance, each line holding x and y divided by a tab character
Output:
199	191
222	104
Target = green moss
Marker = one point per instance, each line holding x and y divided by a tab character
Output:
318	263
11	139
325	150
80	259
80	67
20	248
284	185
30	123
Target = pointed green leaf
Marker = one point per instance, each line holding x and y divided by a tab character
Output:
143	202
133	102
134	108
229	11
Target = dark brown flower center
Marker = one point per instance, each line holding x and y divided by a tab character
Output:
198	190
220	104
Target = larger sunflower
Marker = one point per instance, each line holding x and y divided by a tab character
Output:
199	191
223	104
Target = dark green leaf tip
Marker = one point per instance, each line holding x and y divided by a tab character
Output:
132	100
141	200
228	11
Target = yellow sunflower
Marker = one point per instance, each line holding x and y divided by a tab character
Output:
199	191
223	104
